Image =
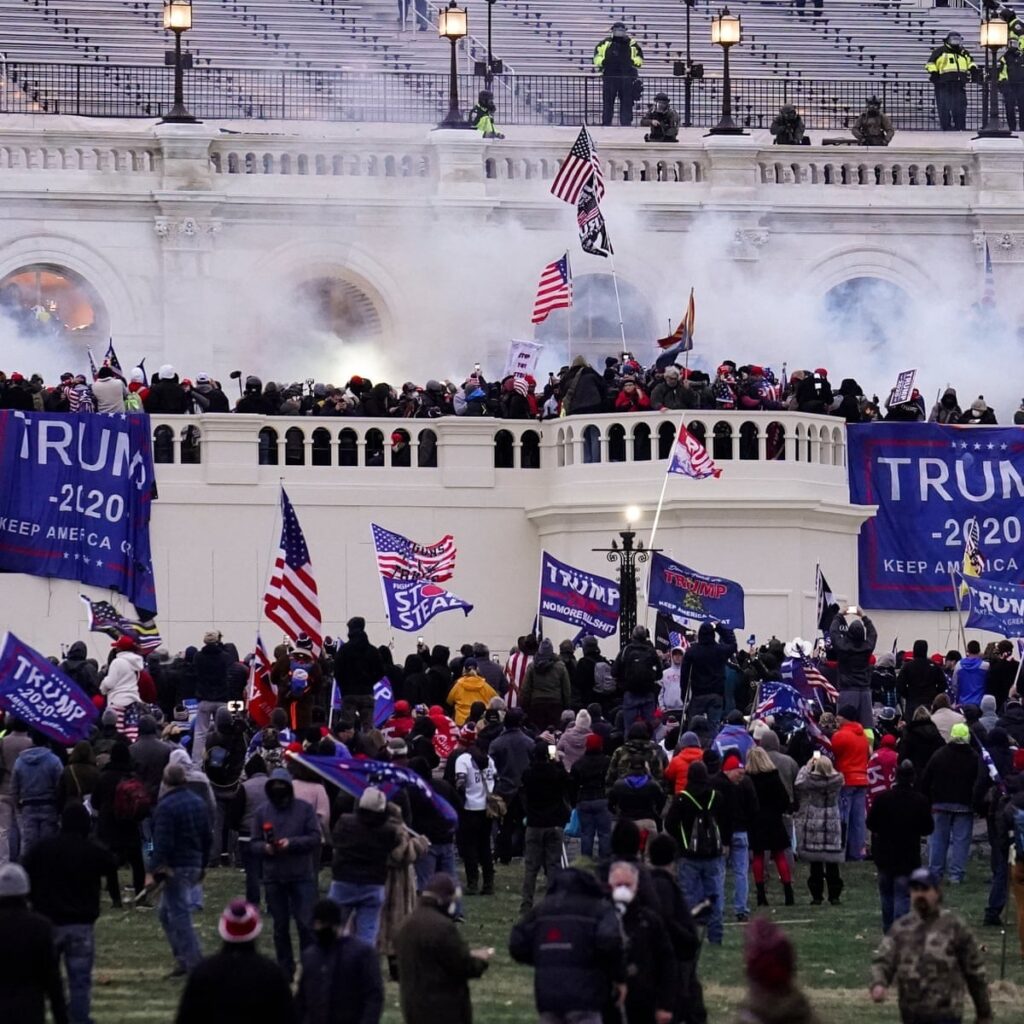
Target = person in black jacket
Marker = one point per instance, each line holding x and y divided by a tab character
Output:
987	801
898	820
650	965
29	968
211	672
428	821
223	764
919	681
238	983
921	738
637	670
65	873
166	395
81	668
1002	673
852	638
948	783
590	799
679	925
573	941
357	666
341	981
119	835
545	796
638	797
702	674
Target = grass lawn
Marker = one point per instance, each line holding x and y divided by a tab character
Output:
835	945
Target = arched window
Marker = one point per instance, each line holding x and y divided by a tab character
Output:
337	306
427	455
321	447
504	450
348	448
529	452
868	310
294	447
49	301
163	444
374	454
268	446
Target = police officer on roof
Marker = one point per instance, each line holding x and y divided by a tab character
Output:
618	58
950	67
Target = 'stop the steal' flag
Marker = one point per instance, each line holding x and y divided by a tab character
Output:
580	598
40	694
413	603
690	458
75	492
684	593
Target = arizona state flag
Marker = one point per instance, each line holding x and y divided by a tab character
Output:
681	339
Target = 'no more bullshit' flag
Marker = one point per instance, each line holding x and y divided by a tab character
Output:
580	598
38	693
684	593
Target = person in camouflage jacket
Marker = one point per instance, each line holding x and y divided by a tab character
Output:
932	956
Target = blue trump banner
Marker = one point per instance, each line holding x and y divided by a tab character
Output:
413	603
38	693
580	598
998	607
930	482
75	492
383	702
684	593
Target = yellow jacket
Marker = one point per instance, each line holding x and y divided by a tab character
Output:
466	692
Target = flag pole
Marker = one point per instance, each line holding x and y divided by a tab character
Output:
383	592
959	610
568	312
618	302
540	597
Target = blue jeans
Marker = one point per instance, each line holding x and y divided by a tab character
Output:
595	822
35	822
287	900
634	708
75	943
439	859
739	865
176	916
363	901
853	807
705	880
950	843
895	896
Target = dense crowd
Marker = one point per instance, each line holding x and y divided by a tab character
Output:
669	766
623	386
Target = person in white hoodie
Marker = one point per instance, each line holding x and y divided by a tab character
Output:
109	391
121	683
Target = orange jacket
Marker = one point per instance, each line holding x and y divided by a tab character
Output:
679	767
852	750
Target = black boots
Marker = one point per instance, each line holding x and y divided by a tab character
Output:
787	888
762	898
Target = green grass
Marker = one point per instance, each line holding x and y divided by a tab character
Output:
834	945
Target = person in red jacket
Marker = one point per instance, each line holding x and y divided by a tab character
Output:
852	750
882	768
400	724
632	397
678	768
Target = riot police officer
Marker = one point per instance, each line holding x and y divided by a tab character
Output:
950	68
619	58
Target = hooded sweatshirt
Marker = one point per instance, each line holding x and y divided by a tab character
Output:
852	753
37	773
466	692
121	683
969	679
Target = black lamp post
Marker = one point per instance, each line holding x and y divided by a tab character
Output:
628	556
688	71
726	31
178	19
453	25
995	34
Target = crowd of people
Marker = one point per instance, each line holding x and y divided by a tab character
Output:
679	779
622	386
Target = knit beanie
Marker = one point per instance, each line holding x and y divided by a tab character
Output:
240	922
769	956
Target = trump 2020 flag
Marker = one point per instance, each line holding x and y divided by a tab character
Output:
412	604
997	607
582	599
383	702
684	593
690	458
40	694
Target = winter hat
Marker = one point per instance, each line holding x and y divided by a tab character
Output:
662	850
905	773
978	405
240	922
469	663
1018	759
712	760
124	643
166	372
591	645
855	631
689	739
960	733
849	712
769	956
583	719
303	642
402	707
731	763
13	881
373	799
211	637
889	741
595	743
398	747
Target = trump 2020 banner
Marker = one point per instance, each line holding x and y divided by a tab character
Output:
580	598
75	492
684	593
38	693
998	607
929	481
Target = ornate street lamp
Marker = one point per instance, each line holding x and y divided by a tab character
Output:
726	32
995	34
628	556
453	25
178	19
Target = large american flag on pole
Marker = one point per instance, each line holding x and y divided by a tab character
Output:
399	558
291	600
578	169
554	290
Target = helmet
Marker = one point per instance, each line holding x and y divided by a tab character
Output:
954	39
660	98
874	101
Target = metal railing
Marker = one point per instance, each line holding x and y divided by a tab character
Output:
211	93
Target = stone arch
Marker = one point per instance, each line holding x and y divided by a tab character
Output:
855	261
48	301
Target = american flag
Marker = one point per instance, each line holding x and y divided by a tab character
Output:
291	600
260	699
111	360
578	169
805	677
105	618
554	290
781	699
399	558
515	675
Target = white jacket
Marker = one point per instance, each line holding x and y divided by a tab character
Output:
121	684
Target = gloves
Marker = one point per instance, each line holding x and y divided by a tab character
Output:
933	76
976	76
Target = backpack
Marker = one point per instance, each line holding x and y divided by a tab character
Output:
131	800
704	840
638	676
604	681
1018	833
217	764
132	402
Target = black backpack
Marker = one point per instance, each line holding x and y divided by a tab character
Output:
638	674
705	839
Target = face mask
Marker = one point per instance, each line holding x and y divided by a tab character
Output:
324	936
921	904
622	894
